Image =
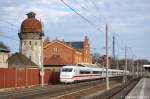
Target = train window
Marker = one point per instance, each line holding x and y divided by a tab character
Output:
67	70
87	72
97	72
81	72
84	72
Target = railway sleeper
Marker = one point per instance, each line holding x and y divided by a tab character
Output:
118	92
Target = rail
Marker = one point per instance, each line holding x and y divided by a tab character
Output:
118	92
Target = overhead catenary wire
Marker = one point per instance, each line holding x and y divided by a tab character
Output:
81	6
14	40
9	37
88	21
84	7
9	23
13	26
94	4
97	8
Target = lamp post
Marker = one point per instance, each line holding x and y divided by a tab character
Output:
107	76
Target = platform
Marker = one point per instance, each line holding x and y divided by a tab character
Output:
141	90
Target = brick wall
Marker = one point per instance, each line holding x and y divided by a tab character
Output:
66	53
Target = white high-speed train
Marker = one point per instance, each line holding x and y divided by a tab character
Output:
70	74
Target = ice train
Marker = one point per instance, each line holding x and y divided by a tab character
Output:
70	74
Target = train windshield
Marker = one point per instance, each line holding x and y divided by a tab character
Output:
66	69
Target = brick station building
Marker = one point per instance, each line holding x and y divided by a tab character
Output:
58	52
54	52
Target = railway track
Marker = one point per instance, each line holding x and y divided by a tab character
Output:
118	92
81	94
126	88
57	91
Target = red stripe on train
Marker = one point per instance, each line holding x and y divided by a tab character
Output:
80	76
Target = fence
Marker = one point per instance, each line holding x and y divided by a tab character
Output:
18	77
51	76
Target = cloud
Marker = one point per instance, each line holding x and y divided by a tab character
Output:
128	18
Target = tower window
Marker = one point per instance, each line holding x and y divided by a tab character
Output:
30	42
24	42
30	57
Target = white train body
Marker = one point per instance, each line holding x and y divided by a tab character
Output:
70	74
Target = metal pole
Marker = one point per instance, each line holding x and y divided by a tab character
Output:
42	67
117	63
141	70
137	69
114	47
107	76
133	68
113	52
125	76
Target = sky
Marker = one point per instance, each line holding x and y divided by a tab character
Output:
128	21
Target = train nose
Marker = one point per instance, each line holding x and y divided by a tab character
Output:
66	78
65	75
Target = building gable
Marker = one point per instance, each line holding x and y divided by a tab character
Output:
57	53
57	42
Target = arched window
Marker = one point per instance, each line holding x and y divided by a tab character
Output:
24	42
56	50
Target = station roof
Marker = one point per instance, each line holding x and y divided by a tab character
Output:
19	60
3	48
88	65
55	60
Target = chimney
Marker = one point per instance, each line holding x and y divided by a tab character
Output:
31	15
